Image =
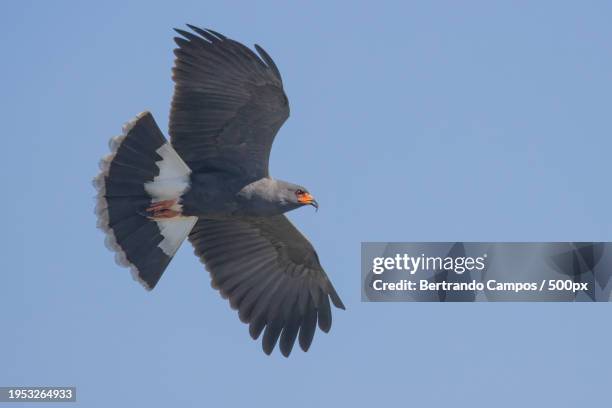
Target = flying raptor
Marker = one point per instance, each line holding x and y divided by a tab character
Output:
211	183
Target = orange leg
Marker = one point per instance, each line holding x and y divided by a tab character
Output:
162	209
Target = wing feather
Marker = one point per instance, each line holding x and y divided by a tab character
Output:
228	104
271	275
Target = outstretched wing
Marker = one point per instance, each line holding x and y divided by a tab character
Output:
228	104
271	274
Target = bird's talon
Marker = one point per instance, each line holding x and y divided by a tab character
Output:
162	209
161	205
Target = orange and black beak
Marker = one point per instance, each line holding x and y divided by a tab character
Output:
307	198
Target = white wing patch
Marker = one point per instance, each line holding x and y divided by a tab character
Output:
174	231
170	184
171	165
173	178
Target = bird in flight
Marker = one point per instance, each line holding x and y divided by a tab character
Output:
211	183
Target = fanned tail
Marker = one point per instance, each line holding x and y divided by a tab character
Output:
141	169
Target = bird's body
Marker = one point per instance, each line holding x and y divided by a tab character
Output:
211	184
220	196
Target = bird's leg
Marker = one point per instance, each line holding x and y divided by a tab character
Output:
162	209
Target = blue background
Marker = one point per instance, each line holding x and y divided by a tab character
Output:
411	121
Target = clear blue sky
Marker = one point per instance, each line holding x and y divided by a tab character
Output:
411	121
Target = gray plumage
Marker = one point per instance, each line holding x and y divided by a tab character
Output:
227	107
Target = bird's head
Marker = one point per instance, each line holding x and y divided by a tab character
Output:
268	196
303	197
297	196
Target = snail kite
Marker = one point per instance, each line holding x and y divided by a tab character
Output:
210	183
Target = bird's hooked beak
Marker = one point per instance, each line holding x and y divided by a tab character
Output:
307	198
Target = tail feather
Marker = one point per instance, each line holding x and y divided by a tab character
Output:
141	169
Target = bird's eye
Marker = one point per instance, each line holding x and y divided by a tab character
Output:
299	192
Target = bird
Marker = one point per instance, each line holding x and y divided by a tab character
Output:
210	184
